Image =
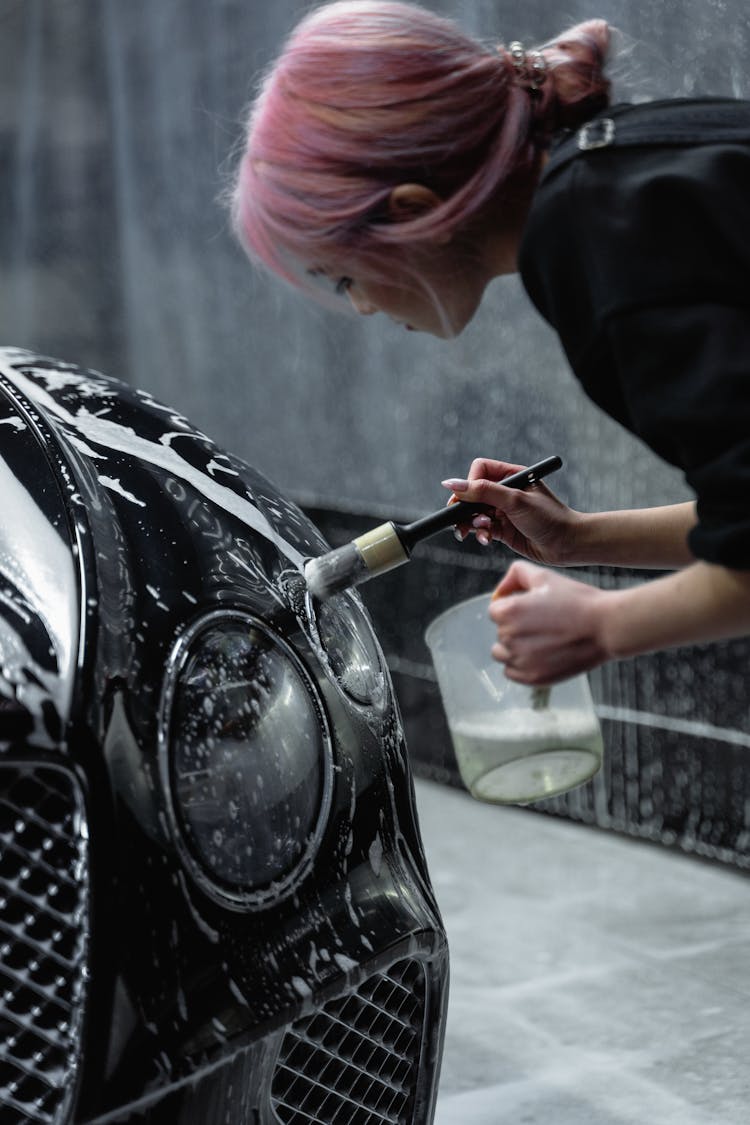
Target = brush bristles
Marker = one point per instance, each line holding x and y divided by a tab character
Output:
338	570
373	553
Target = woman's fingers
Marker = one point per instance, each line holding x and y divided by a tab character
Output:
481	525
534	512
548	627
483	490
547	669
484	469
501	653
487	492
461	530
518	579
533	522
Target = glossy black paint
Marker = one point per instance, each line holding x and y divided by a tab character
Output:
163	527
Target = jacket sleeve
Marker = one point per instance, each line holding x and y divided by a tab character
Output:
683	371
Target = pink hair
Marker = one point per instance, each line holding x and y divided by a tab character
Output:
369	94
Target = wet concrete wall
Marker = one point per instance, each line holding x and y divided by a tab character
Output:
117	128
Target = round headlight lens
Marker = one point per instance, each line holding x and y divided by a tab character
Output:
350	647
248	758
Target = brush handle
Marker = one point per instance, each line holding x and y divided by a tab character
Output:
412	533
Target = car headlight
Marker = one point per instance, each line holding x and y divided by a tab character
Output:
245	757
350	647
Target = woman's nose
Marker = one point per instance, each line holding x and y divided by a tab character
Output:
361	304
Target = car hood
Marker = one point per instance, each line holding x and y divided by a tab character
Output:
39	585
110	496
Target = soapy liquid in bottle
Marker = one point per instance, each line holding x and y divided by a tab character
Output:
526	754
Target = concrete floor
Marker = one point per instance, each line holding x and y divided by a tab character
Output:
595	980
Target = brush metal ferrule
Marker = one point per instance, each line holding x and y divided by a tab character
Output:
381	549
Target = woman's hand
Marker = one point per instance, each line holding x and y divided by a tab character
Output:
548	627
532	522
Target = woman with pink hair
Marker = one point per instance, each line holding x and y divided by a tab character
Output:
395	160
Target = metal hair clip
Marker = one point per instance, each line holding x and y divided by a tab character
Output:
531	67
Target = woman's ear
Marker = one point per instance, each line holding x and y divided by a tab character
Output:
411	201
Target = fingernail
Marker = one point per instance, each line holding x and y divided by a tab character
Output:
455	485
484	538
457	535
480	521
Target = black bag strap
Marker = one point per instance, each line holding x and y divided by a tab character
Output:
681	121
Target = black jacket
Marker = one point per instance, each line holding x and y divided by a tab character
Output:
637	251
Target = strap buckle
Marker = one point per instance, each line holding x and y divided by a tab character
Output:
596	134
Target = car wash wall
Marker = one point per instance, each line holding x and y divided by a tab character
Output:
119	125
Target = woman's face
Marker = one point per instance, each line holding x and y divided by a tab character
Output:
438	295
438	287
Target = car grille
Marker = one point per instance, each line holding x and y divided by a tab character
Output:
44	887
355	1061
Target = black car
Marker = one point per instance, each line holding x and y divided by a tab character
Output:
215	906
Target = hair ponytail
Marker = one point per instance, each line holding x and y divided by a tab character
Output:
576	86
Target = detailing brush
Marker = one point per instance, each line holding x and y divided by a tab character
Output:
391	544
